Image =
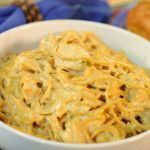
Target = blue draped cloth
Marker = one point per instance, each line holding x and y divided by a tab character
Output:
93	10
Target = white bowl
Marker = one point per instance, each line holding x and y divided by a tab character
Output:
27	36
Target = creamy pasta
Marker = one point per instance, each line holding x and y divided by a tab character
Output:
74	89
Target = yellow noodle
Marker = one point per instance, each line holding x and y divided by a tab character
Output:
74	89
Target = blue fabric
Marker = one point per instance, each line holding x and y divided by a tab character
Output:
94	10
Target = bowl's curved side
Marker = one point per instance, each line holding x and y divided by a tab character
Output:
11	139
27	37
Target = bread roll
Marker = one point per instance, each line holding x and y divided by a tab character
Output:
138	19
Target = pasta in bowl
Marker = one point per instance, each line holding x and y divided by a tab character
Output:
74	89
75	75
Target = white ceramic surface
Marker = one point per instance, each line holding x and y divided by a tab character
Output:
27	37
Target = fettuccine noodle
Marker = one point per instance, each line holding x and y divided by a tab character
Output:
74	89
